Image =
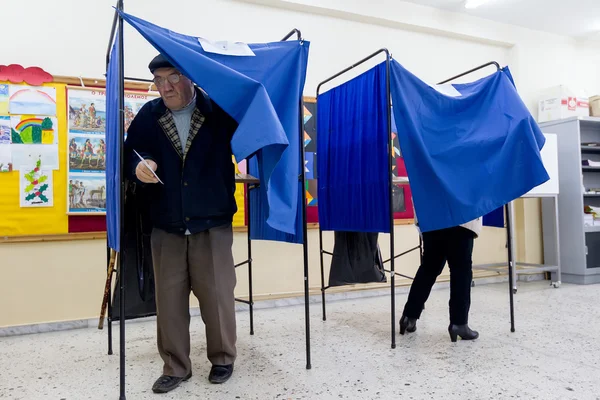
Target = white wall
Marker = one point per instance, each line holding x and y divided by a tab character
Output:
433	44
71	48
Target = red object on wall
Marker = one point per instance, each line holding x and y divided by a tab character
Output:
87	223
312	214
401	167
16	73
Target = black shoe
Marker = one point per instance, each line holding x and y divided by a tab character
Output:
407	324
463	331
220	373
167	383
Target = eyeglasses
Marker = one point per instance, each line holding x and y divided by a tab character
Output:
173	79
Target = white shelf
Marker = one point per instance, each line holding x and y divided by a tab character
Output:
589	121
579	244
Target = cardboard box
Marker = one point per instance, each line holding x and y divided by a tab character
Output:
595	106
559	102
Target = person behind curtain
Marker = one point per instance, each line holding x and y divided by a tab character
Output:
455	246
185	138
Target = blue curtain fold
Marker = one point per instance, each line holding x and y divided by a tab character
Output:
262	93
353	185
259	210
495	219
467	155
113	161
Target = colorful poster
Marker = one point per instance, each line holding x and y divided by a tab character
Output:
310	160
4	129
29	154
87	110
133	103
86	193
4	99
5	158
36	189
87	153
34	100
239	218
29	129
86	146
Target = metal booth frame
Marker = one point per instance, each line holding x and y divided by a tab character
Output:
250	183
507	208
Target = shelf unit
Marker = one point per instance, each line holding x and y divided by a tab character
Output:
579	244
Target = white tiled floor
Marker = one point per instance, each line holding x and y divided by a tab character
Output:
554	354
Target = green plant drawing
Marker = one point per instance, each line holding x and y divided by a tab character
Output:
36	187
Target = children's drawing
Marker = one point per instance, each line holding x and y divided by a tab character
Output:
87	193
87	153
29	154
5	158
4	130
34	130
35	100
87	111
36	188
3	99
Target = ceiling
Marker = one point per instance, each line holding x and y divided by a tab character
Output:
576	18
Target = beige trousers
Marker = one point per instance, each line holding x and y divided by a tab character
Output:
202	264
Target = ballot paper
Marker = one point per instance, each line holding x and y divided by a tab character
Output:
226	48
148	166
447	89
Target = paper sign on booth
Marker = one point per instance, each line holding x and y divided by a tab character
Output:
226	48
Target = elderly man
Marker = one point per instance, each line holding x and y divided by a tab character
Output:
184	138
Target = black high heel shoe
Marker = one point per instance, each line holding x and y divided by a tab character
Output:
463	331
407	324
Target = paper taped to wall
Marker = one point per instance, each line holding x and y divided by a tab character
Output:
29	154
5	158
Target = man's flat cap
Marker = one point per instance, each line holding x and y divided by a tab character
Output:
159	62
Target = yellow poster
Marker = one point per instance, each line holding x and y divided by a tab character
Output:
20	221
239	219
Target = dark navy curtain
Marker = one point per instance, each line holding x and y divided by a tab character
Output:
353	185
494	219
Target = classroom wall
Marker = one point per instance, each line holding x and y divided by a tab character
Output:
432	43
64	281
59	281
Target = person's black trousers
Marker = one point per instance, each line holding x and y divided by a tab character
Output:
454	245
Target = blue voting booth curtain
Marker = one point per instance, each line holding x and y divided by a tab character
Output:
262	93
469	154
495	219
259	210
353	185
113	162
